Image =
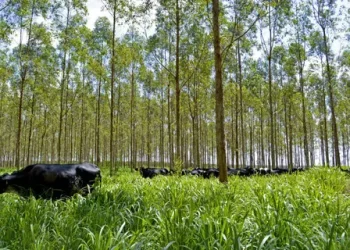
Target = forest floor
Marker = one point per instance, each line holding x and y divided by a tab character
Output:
308	210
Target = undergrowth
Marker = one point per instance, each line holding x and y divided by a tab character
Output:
309	210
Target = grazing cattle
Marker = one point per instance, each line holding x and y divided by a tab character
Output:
51	180
151	172
279	171
211	172
185	172
198	171
298	169
240	171
264	171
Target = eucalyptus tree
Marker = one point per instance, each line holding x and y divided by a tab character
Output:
121	10
242	17
255	85
301	27
148	86
134	59
160	58
117	9
279	57
22	16
80	91
277	17
219	106
42	67
324	12
289	91
344	82
170	15
195	73
99	49
318	81
6	72
67	17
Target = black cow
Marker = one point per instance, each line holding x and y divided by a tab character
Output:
151	172
198	171
264	171
51	180
247	171
279	171
211	172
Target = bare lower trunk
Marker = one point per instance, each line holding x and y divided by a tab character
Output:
219	97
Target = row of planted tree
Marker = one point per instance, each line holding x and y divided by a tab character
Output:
70	93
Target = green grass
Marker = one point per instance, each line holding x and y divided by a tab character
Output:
310	210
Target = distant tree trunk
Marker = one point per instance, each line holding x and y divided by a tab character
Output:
305	132
219	97
171	145
233	141
111	144
331	101
325	130
30	132
98	125
132	128
24	70
162	128
82	122
44	153
63	82
262	147
241	102
177	82
148	131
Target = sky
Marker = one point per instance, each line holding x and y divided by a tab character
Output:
95	11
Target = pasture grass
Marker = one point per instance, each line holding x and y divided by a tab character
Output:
309	210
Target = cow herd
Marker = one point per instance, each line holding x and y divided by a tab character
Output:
63	180
214	172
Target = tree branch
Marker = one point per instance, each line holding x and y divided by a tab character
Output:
233	40
6	5
163	66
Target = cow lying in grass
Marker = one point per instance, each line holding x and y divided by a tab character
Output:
51	180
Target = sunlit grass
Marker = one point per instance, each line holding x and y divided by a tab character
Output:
309	210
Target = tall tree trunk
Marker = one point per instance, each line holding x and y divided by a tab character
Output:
271	110
170	132
219	97
233	141
132	132
241	101
82	121
331	102
65	114
111	145
148	131
63	81
98	127
30	132
162	128
177	83
325	127
24	70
